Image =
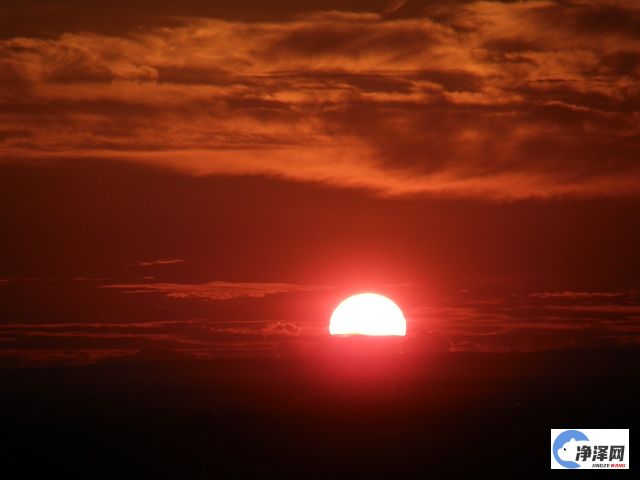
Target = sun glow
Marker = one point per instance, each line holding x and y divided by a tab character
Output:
367	314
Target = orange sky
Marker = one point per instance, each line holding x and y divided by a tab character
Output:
215	178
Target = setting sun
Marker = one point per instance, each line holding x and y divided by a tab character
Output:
367	314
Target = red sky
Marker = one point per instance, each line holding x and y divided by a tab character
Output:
213	179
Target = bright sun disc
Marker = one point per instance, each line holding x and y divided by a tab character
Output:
367	314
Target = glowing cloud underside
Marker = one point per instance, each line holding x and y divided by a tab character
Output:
367	314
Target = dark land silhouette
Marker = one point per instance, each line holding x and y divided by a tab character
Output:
374	415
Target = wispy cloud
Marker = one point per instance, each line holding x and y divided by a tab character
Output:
536	321
394	6
569	294
489	99
282	328
86	342
159	262
214	290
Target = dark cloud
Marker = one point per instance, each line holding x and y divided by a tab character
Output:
489	99
426	342
538	320
32	343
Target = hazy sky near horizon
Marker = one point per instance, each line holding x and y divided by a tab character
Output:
214	177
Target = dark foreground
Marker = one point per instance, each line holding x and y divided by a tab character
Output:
378	416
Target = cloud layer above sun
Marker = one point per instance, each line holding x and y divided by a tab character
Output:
484	99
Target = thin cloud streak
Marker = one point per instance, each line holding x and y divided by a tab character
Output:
159	262
214	290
